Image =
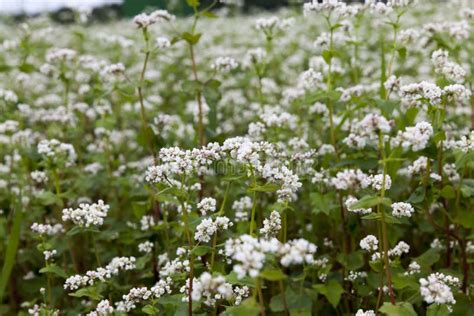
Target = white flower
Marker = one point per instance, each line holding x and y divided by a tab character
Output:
145	247
47	229
103	309
415	137
435	288
297	251
224	64
113	268
401	209
379	180
207	228
207	205
87	214
162	42
271	225
369	243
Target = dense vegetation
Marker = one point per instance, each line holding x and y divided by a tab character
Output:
315	162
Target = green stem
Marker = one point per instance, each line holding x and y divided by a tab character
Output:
10	254
384	224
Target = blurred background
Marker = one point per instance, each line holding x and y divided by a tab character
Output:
109	9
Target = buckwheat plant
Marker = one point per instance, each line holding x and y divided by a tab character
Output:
315	161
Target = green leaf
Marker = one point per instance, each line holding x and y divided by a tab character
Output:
139	208
248	307
369	201
79	230
9	254
440	136
90	292
332	290
465	217
267	187
208	14
150	310
437	310
54	269
372	216
27	68
464	159
448	192
273	274
48	198
193	3
327	56
399	309
418	196
322	203
428	258
201	250
191	38
402	52
352	261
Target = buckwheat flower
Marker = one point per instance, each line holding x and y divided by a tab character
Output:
369	243
8	96
414	137
145	247
162	16
401	248
255	56
48	254
207	205
350	179
224	64
350	201
249	253
56	150
133	297
39	176
102	273
361	312
211	289
392	83
354	275
310	79
271	225
412	94
379	180
60	55
402	209
413	268
326	6
319	108
435	289
147	222
162	42
297	251
103	309
437	244
240	293
457	92
47	229
443	65
205	230
450	171
241	208
162	287
87	214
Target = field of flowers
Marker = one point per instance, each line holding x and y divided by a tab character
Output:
318	161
